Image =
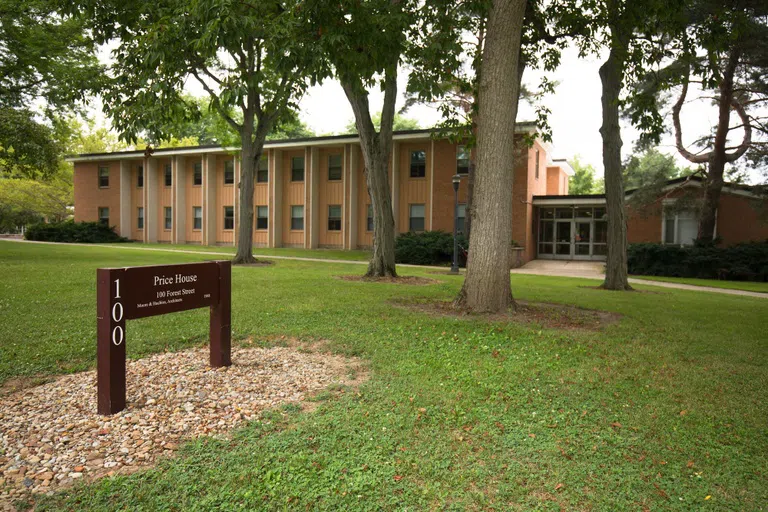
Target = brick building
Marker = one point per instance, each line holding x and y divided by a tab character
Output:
312	193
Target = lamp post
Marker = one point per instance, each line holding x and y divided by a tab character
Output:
455	265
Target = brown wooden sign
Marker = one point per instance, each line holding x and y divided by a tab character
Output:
137	292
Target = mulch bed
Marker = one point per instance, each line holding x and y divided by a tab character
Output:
51	436
412	280
554	316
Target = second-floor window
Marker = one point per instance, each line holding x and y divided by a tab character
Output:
297	168
197	178
418	164
334	167
462	160
229	172
140	176
103	177
262	173
168	175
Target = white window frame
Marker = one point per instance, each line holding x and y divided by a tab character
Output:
669	203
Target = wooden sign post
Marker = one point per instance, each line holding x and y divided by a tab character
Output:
137	292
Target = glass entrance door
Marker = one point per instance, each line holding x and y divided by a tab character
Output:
563	234
581	239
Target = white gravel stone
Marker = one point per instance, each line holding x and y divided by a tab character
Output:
51	434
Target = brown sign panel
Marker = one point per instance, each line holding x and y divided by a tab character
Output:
138	292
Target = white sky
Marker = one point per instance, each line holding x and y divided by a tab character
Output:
575	111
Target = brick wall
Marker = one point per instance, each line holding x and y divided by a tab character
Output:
89	197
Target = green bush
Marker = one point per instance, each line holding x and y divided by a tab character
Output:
73	232
742	262
428	248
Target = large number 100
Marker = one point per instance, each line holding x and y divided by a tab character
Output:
118	335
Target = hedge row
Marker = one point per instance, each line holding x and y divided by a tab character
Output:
428	248
742	262
71	232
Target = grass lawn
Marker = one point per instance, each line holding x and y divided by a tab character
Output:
323	254
664	409
714	283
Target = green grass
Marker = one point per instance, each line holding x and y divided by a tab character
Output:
323	254
657	411
714	283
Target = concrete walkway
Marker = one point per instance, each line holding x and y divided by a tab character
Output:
561	268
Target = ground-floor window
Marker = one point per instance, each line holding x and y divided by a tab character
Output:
197	217
679	227
104	215
416	217
297	218
369	220
229	217
168	217
140	218
262	217
334	217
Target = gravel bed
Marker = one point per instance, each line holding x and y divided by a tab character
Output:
51	436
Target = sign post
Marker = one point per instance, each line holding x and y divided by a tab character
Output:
137	292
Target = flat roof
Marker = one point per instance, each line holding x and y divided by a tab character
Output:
521	127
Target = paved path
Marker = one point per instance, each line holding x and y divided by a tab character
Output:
580	269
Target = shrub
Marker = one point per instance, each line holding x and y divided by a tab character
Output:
742	262
71	232
428	248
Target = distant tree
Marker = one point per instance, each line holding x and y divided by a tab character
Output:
400	122
583	180
649	168
253	58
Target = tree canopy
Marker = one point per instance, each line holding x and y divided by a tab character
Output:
583	180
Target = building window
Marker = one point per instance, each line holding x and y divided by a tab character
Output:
462	160
262	173
369	223
168	217
197	217
262	217
297	218
168	175
461	218
103	177
537	164
680	227
140	176
297	168
104	215
229	172
229	217
334	217
198	174
418	164
334	167
416	217
140	218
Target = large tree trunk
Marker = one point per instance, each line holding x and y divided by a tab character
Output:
487	285
376	148
252	147
611	76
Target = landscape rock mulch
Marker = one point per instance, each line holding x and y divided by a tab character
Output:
51	436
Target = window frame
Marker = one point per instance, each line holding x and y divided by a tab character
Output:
259	170
101	218
461	148
369	219
334	219
665	216
411	218
229	166
538	162
295	169
461	220
418	165
168	175
140	176
340	167
293	218
195	218
197	166
103	180
139	217
259	218
230	218
166	218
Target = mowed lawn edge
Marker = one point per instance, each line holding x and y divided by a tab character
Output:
660	410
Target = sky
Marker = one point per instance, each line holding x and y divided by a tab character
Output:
575	110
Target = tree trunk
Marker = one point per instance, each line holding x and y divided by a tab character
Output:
251	150
487	285
376	148
611	77
718	158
